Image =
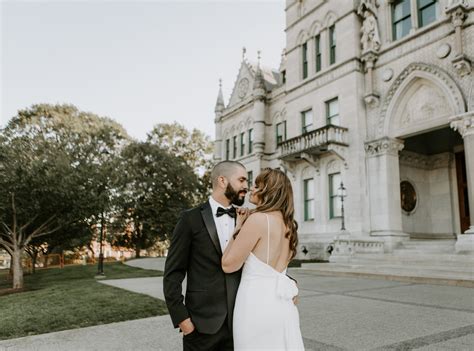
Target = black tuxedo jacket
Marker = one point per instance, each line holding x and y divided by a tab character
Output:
195	251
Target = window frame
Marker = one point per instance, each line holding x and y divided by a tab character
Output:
329	117
250	139
333	196
332	44
307	217
403	18
277	135
420	8
317	51
304	127
227	149
304	60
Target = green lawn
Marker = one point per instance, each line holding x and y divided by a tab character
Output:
59	299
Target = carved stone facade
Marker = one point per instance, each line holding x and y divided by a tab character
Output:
366	109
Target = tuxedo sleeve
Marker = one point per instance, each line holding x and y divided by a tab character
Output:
175	270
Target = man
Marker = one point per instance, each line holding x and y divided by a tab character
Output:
197	244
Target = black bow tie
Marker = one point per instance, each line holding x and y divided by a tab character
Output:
230	211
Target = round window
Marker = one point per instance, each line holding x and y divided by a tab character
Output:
408	196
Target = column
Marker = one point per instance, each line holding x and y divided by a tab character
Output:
464	124
384	191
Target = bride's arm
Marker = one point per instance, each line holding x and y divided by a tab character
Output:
239	248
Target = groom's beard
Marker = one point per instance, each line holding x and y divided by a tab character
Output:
234	196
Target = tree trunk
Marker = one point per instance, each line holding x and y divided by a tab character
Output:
17	269
137	251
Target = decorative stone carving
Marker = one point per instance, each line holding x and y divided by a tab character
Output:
462	65
312	160
437	73
424	104
370	38
383	146
443	50
416	160
387	74
464	123
243	87
458	11
333	167
372	100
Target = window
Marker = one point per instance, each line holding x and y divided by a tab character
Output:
332	112
250	178
307	121
283	77
250	141
280	132
227	149
401	18
234	144
305	60
332	44
334	200
426	12
317	45
242	144
308	188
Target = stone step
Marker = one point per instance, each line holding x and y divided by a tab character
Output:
434	275
403	266
428	258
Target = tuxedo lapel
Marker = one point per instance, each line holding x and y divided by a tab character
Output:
208	217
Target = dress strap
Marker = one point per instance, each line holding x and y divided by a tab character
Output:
268	238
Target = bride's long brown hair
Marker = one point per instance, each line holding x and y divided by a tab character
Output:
275	193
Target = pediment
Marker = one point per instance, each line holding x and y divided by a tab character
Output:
245	80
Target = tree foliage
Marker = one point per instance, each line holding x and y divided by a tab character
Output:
154	187
193	146
53	175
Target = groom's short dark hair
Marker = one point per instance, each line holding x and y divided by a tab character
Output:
224	168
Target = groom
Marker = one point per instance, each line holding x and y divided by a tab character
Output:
199	239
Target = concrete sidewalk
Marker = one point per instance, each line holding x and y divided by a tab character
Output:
337	313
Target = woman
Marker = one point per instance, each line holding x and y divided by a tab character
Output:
265	316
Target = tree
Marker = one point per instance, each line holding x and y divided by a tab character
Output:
54	170
155	187
193	146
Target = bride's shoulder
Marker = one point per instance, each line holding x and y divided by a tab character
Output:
256	219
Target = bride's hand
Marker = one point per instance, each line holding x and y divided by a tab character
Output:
242	215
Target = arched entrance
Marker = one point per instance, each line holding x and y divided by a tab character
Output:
432	184
417	166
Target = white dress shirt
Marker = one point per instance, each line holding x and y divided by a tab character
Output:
225	224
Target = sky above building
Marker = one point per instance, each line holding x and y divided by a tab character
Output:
138	62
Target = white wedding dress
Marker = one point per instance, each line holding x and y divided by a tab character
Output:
265	317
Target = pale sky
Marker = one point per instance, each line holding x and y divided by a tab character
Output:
138	62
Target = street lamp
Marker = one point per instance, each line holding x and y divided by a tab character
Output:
341	193
100	269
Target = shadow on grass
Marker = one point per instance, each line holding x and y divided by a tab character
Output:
59	299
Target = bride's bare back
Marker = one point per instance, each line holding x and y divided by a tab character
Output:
278	247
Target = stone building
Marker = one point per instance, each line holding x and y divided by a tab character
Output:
379	95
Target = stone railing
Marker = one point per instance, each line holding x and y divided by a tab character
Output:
316	140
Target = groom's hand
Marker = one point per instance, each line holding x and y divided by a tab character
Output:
186	326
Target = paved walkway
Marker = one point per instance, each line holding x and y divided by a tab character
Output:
337	313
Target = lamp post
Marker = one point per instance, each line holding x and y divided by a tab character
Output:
342	194
100	268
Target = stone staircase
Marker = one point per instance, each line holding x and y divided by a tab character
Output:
428	261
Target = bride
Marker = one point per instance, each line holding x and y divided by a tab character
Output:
265	239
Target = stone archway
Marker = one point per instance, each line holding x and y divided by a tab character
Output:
423	97
417	111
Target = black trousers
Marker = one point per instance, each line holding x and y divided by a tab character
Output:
220	341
